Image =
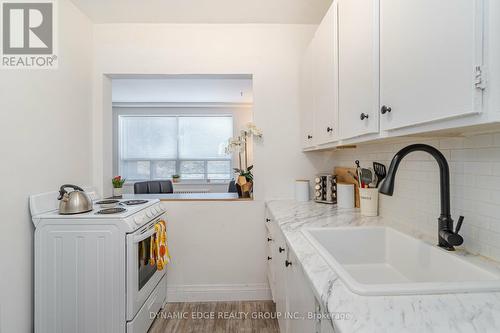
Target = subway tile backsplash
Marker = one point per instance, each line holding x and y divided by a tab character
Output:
475	186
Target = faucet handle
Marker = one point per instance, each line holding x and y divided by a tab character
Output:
459	224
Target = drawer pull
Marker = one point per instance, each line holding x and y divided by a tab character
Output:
385	109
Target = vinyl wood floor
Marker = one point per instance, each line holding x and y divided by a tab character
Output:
217	317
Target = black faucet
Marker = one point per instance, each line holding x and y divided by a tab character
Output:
447	237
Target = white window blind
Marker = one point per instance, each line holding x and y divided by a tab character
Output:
157	147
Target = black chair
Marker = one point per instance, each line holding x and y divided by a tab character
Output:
154	187
232	187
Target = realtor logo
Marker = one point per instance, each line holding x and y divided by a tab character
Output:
28	34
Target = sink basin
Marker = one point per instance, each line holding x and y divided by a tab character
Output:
384	261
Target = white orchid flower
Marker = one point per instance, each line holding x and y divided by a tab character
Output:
234	145
253	130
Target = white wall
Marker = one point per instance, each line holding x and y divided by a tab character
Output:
182	89
218	251
475	174
270	52
45	135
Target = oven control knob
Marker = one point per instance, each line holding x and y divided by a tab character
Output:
137	220
148	214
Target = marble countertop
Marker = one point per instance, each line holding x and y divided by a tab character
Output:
471	312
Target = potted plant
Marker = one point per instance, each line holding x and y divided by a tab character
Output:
244	183
176	178
118	182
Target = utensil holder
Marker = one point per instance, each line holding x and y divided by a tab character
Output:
369	201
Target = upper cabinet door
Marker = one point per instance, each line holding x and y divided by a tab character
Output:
429	51
358	67
307	103
326	78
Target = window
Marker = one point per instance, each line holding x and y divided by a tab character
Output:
157	147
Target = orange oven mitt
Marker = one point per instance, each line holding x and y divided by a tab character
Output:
163	257
165	254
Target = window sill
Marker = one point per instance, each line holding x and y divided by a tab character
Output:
186	182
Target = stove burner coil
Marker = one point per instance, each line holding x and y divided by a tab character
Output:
111	211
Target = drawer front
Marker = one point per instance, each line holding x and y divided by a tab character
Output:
270	265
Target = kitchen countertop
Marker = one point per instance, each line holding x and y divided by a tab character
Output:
188	197
471	312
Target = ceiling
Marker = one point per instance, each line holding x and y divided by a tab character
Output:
205	11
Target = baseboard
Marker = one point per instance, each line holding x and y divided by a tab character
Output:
218	292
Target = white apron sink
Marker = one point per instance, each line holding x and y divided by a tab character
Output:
383	261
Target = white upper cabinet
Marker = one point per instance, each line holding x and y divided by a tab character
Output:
429	51
325	61
358	67
307	102
387	68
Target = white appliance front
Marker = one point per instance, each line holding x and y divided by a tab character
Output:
142	275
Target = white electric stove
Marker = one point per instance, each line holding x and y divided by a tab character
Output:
92	270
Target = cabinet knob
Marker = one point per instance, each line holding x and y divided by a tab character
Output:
269	239
329	129
385	109
269	258
309	137
268	220
363	116
281	249
288	263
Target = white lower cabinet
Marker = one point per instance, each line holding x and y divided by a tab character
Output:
300	299
270	268
296	305
279	250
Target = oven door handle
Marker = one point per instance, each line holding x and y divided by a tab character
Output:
141	237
